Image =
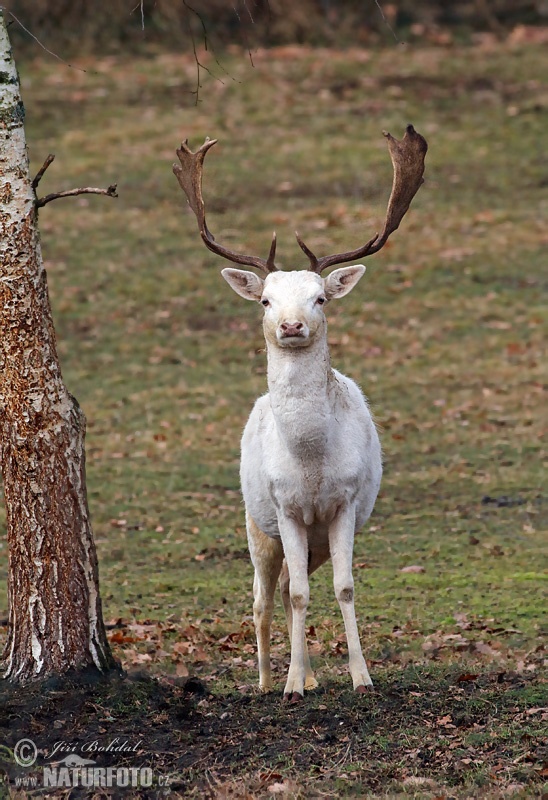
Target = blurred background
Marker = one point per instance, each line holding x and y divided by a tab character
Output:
172	24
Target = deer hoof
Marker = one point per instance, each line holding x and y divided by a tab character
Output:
364	689
292	698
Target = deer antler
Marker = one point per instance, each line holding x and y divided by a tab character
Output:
408	161
189	175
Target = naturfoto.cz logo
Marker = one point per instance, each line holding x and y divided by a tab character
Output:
73	771
66	776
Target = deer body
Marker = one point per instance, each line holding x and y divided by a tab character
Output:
311	463
309	446
308	462
311	457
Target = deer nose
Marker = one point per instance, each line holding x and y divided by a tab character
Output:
291	328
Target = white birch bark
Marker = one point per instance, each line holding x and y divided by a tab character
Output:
55	618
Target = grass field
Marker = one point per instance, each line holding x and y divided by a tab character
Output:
446	335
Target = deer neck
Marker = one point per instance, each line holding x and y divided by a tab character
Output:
300	381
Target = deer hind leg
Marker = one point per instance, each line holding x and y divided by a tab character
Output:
341	542
266	556
315	560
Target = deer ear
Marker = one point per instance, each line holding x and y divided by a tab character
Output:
341	281
246	284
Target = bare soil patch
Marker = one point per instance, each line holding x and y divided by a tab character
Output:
436	730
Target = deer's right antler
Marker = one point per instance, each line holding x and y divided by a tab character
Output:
189	175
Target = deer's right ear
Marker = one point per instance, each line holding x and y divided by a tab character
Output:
246	284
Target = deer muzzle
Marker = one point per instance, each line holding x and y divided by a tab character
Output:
289	329
292	333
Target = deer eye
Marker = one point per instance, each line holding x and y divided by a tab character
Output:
265	302
320	301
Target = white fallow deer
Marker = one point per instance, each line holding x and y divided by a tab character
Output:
311	459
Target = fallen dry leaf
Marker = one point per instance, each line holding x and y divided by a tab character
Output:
418	780
277	788
467	676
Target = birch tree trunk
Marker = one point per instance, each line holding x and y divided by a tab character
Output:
55	617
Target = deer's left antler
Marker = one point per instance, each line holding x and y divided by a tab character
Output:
407	157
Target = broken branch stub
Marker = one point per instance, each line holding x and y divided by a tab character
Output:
40	202
111	191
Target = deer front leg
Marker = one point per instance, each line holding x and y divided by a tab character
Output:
316	558
295	547
266	556
341	543
310	681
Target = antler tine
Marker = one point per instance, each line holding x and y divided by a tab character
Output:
272	254
308	252
407	156
189	175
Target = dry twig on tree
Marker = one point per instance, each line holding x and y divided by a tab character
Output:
111	191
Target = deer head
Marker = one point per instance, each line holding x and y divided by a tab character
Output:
294	301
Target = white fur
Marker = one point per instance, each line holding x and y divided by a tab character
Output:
310	467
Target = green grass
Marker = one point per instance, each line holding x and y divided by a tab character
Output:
445	335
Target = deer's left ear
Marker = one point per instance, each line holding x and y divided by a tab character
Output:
341	281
